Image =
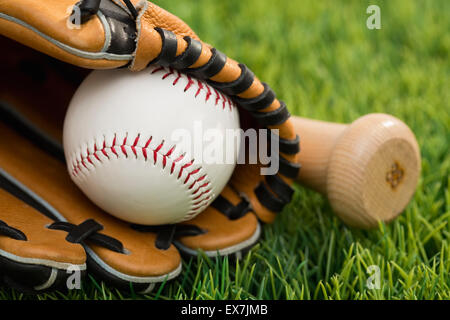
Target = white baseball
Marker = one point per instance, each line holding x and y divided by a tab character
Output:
119	147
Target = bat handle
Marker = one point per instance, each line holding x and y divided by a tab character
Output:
368	170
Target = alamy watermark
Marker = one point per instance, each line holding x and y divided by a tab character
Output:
74	19
230	146
374	20
73	281
374	281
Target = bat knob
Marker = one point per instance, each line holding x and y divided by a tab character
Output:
373	170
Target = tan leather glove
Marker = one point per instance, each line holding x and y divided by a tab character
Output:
112	34
33	258
133	34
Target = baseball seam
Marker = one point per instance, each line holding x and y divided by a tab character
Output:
196	181
220	98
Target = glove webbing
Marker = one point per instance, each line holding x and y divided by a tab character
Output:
281	192
88	8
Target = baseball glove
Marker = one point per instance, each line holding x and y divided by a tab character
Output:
33	258
104	34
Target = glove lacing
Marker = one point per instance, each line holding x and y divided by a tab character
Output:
89	8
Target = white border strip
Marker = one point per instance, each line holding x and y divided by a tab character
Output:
74	51
226	251
42	262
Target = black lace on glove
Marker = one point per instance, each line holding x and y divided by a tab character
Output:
88	231
89	8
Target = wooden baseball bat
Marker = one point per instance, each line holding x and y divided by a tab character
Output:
368	170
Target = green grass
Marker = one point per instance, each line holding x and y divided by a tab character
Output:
325	64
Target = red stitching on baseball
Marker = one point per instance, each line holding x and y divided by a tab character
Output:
78	165
113	145
122	147
176	80
190	83
175	161
155	152
184	167
220	97
103	150
97	157
201	204
144	152
168	74
170	151
198	180
133	147
89	159
191	173
201	194
95	153
157	69
208	93
148	142
202	186
224	100
204	195
217	96
230	103
200	88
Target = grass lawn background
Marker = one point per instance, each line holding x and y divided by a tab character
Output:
321	59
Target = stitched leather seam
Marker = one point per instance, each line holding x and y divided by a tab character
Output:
197	182
220	99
